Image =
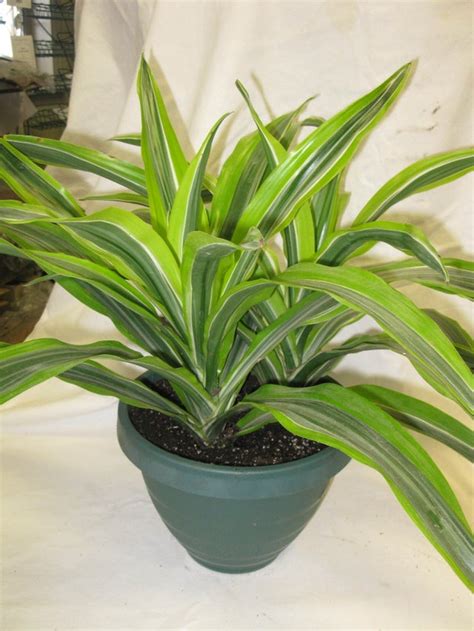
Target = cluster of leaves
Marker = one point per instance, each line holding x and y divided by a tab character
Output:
192	279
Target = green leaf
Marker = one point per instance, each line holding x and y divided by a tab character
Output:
153	335
312	338
310	371
343	419
29	230
12	210
244	171
29	363
245	263
202	253
315	307
326	207
136	140
421	417
268	370
127	198
339	246
274	151
129	139
451	328
163	157
458	336
95	378
188	208
460	275
270	310
223	320
11	250
319	158
98	276
421	176
192	394
313	121
298	235
65	154
33	184
430	351
118	239
252	421
135	251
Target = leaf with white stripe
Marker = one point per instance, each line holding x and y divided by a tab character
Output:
421	417
347	421
137	252
310	371
99	276
136	140
243	172
186	385
461	339
270	310
12	210
298	237
118	239
421	176
126	198
29	363
33	184
315	307
268	370
68	155
11	250
223	320
252	421
163	157
202	253
152	334
327	206
312	339
430	351
339	246
318	158
460	275
187	210
96	378
274	151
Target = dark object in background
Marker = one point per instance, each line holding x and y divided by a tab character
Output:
21	305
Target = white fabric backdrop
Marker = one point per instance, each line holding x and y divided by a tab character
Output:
81	545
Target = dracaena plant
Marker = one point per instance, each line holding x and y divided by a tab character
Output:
193	280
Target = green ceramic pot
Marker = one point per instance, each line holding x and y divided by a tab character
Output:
230	519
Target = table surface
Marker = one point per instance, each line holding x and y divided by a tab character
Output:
84	549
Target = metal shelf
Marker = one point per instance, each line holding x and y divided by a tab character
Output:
62	85
47	118
54	48
54	11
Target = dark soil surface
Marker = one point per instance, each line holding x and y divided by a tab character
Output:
270	445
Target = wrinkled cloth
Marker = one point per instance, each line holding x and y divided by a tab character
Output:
82	547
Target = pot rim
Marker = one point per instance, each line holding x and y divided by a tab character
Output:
224	480
124	418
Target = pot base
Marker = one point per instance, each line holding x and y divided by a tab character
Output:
226	569
231	519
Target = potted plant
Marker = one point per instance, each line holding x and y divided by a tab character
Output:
233	340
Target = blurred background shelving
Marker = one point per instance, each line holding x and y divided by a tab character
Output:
50	23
